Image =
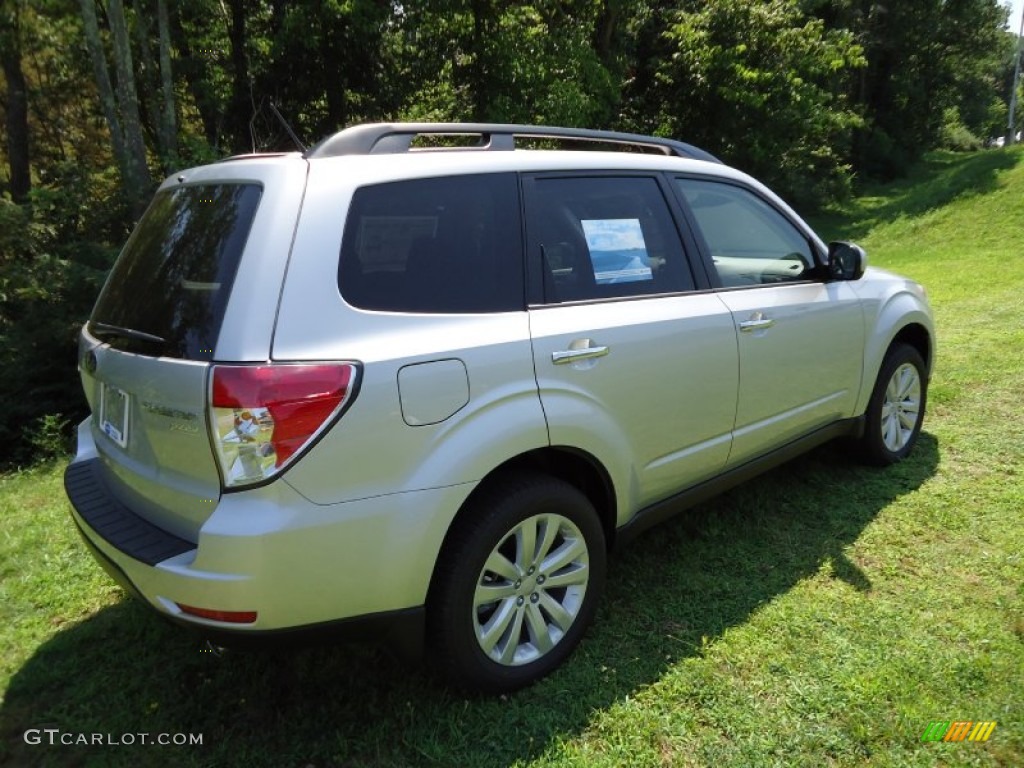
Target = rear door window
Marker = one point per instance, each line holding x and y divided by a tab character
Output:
167	293
443	245
599	237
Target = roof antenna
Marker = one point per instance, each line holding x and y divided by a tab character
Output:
280	117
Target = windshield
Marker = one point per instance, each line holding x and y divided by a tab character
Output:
167	293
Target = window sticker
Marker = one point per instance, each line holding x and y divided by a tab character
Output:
618	252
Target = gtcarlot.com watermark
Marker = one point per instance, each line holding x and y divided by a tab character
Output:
55	736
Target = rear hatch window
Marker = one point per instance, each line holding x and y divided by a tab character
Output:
167	293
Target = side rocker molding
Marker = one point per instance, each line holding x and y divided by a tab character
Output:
670	507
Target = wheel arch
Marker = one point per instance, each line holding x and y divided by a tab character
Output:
581	470
578	468
916	331
886	439
917	336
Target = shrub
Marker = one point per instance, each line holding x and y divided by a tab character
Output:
956	136
50	437
50	275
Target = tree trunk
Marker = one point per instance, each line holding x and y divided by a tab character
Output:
479	75
241	107
17	108
145	73
168	121
194	68
157	83
147	76
128	102
605	32
106	90
339	46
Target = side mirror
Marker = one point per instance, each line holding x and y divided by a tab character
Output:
846	261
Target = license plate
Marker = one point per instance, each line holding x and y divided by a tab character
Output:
114	414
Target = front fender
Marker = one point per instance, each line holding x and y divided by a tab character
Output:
892	305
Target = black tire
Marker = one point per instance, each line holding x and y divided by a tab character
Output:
457	622
892	425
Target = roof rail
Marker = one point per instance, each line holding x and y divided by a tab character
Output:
395	138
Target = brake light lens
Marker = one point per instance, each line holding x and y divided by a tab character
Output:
264	416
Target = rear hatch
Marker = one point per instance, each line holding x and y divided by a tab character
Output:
147	349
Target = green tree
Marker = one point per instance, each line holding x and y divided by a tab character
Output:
928	61
755	82
16	101
554	62
324	64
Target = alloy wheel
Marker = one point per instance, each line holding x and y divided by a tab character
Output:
901	407
531	589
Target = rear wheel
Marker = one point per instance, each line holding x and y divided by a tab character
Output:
516	584
896	409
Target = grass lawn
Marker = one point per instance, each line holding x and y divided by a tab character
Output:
822	615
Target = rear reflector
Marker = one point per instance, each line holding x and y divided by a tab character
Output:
264	416
232	617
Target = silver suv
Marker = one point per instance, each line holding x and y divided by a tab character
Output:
423	385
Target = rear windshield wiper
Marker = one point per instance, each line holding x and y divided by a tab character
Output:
106	329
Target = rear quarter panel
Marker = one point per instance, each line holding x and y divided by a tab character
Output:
374	450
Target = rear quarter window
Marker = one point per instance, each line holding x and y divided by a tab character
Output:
168	290
441	245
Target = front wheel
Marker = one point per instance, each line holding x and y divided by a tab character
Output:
516	585
896	409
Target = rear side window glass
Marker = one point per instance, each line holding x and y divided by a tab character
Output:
168	290
604	237
444	245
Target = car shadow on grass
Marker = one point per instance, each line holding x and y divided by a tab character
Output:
123	671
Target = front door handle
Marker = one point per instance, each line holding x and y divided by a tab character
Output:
757	322
580	349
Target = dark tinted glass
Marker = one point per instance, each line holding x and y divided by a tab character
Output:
604	237
173	279
450	244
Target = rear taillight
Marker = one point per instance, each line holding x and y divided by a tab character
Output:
264	416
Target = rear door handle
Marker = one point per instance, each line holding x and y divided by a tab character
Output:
758	321
580	349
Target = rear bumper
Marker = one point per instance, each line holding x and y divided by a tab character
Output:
402	630
355	569
113	521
